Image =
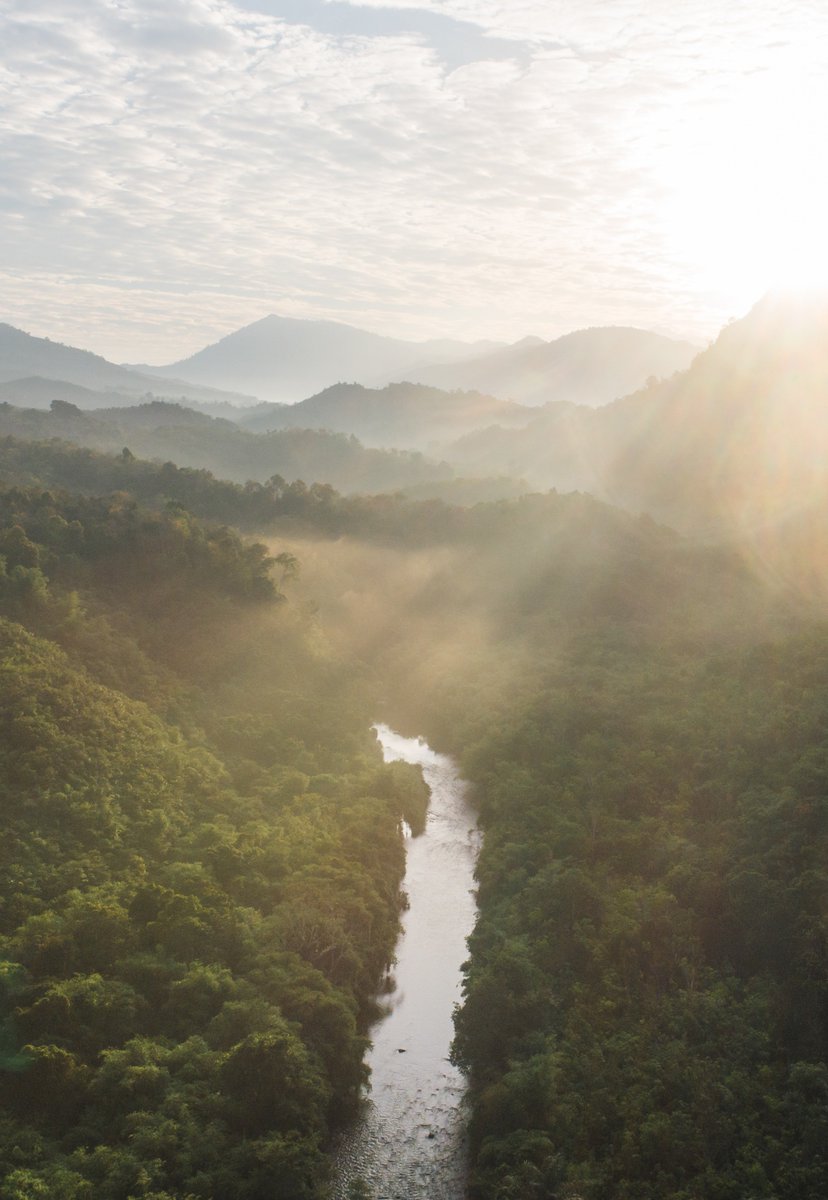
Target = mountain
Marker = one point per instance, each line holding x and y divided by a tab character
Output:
404	415
740	440
28	364
736	443
285	359
591	366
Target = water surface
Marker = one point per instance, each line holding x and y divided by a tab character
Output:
409	1142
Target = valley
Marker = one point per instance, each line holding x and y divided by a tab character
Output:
611	613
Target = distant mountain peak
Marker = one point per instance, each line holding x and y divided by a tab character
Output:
287	359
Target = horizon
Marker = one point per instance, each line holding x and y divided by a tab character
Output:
487	345
436	169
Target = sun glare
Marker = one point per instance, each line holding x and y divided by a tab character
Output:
747	189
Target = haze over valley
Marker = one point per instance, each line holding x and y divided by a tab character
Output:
737	402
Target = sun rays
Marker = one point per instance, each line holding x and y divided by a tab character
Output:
747	185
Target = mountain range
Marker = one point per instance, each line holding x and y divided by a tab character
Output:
284	360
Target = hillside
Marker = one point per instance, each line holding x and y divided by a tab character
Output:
166	431
285	359
740	439
557	448
590	366
404	415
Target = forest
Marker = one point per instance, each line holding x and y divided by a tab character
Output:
158	429
652	933
201	861
203	854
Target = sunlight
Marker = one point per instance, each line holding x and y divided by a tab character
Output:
747	188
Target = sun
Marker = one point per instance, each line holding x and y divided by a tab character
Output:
746	195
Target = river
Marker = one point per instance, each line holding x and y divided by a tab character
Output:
409	1140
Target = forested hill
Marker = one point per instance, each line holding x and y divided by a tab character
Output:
167	431
201	859
260	507
405	415
541	553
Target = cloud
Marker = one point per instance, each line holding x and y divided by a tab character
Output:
599	24
456	42
177	169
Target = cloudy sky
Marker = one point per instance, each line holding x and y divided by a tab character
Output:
173	169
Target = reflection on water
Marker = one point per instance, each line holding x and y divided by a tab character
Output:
409	1142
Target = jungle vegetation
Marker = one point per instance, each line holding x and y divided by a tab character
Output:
201	858
206	857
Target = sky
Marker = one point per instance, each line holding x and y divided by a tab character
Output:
171	170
